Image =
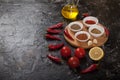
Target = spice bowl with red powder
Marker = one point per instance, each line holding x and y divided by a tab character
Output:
96	30
75	26
90	21
82	36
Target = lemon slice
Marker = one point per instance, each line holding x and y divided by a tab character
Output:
96	53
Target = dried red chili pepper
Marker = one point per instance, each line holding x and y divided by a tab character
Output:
56	46
91	68
48	36
54	58
53	31
85	14
58	25
107	31
67	34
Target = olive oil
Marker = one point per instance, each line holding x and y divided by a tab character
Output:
70	11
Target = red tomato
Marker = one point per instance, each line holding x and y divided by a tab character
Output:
73	62
80	53
65	52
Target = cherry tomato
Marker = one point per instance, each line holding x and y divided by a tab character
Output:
80	53
65	52
73	62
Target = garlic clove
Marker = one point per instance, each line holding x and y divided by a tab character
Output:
95	41
90	43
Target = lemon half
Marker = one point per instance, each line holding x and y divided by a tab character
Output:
96	53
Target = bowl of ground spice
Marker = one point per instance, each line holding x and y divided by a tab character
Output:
90	21
75	26
96	30
82	36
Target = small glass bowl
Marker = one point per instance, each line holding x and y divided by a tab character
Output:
96	30
75	26
82	36
90	21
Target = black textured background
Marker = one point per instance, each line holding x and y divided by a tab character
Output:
23	48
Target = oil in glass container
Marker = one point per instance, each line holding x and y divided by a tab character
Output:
70	10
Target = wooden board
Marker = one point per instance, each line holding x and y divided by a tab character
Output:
100	40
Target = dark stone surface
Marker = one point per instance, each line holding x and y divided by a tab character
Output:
23	46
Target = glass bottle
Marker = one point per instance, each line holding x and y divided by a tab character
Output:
70	10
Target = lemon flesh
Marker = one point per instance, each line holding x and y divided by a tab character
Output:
96	53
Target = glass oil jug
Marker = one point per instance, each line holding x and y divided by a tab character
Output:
70	10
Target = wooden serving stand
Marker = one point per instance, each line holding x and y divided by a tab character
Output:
100	40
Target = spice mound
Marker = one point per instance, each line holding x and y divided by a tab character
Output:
90	22
75	26
82	36
96	31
